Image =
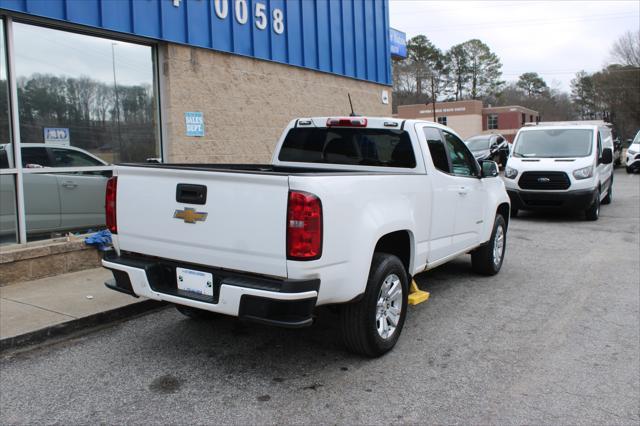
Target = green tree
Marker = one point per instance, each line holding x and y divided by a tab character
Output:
583	95
485	70
457	61
532	84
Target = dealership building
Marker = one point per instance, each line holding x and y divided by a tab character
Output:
85	84
471	118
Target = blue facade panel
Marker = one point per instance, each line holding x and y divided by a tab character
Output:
344	37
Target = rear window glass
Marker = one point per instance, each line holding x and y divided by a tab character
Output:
358	147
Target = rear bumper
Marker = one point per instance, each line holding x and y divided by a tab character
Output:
545	200
281	302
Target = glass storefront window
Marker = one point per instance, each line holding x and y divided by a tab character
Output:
8	212
83	101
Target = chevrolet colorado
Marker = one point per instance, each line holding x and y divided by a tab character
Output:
349	209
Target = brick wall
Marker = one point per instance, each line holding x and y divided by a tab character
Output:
247	102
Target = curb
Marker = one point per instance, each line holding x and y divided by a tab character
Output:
69	327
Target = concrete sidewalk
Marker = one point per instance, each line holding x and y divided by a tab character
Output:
35	310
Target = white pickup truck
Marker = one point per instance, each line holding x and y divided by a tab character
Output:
349	210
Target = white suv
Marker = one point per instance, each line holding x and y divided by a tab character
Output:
633	155
561	167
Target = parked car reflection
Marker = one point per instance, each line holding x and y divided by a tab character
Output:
489	147
72	199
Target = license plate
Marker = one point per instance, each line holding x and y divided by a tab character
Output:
195	281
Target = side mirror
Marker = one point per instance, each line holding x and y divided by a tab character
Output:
489	168
607	156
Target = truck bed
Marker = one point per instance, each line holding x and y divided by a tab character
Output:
267	169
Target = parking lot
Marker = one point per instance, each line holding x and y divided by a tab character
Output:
553	338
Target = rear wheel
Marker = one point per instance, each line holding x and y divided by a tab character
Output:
372	326
593	212
487	260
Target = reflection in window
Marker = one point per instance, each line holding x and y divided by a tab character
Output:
462	161
68	85
8	211
8	222
437	149
84	101
5	135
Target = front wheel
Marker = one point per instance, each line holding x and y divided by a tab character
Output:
372	326
593	212
609	197
487	260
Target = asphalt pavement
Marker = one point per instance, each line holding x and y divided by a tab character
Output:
554	338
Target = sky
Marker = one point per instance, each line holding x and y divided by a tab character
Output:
553	38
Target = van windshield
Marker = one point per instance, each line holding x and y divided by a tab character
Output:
348	146
554	143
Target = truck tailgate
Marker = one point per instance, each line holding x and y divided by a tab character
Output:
245	226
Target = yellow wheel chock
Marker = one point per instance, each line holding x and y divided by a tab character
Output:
416	295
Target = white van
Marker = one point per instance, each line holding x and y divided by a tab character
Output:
564	166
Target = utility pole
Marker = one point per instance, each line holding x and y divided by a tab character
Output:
115	89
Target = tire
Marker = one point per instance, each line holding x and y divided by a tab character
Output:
609	197
629	171
514	212
487	259
593	212
194	313
361	321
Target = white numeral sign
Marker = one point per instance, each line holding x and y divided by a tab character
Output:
241	14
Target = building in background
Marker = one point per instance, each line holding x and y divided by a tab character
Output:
470	118
176	80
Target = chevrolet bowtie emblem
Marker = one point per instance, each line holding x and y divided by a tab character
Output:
190	215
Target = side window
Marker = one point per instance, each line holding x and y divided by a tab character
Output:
437	149
462	162
599	145
70	158
33	157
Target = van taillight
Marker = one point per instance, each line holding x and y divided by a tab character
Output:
110	204
304	226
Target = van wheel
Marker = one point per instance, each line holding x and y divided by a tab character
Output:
194	313
487	259
609	197
372	326
593	212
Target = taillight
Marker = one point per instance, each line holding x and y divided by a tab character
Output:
304	226
110	204
347	122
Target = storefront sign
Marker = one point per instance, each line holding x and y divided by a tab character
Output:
397	43
194	122
345	37
57	135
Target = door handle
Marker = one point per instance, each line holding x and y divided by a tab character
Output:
69	184
463	190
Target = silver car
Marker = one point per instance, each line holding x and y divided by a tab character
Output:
72	199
